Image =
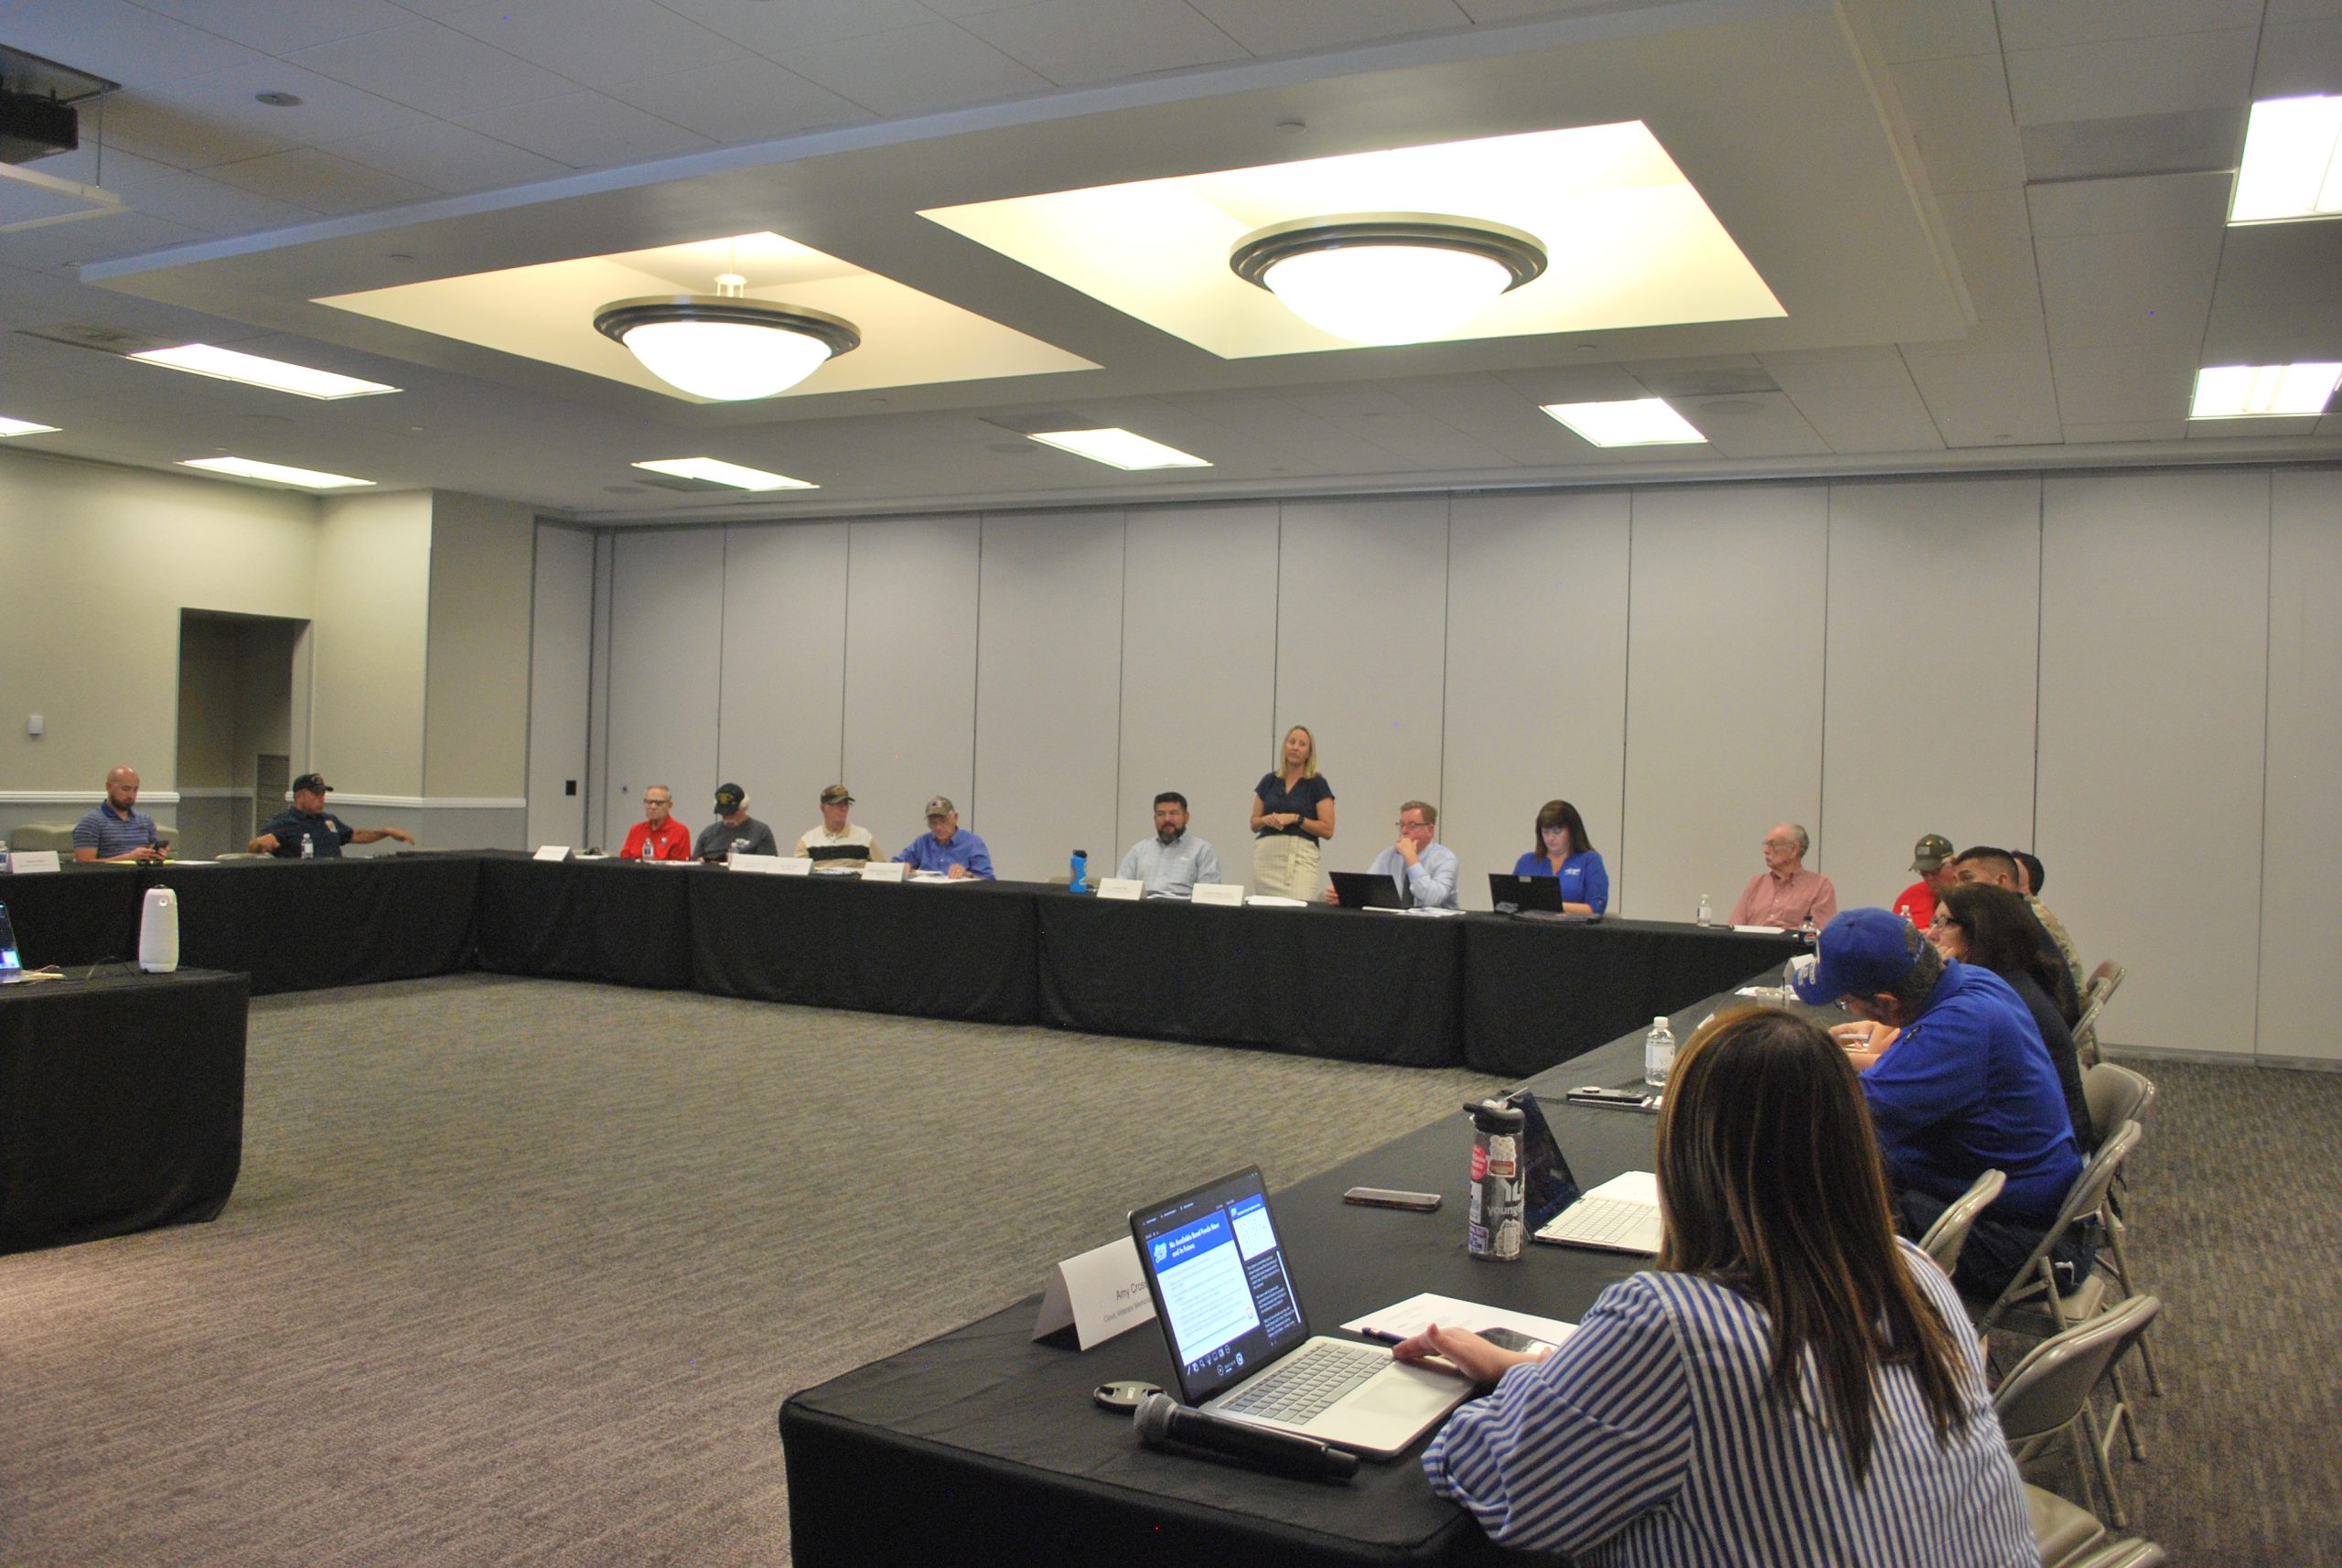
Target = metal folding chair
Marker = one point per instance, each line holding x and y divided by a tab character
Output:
2116	1095
2048	1394
1947	1237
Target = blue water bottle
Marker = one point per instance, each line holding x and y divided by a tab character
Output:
1080	870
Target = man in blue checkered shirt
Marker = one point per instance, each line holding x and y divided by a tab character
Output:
116	829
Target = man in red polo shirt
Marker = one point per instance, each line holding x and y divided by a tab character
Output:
658	836
1931	858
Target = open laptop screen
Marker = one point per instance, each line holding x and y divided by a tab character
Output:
1220	1286
10	963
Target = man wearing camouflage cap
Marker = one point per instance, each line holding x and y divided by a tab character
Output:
946	847
1931	858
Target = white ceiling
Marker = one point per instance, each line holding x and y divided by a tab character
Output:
1997	229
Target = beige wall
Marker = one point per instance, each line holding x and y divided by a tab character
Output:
95	564
374	594
475	702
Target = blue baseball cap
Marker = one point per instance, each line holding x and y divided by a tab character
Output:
1861	952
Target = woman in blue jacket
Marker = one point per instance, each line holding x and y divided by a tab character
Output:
1562	851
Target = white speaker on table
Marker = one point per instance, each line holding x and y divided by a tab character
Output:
158	932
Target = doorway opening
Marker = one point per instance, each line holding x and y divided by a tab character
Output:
235	750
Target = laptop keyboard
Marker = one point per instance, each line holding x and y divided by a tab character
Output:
1298	1391
1608	1219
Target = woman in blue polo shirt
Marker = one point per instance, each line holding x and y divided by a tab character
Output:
1562	851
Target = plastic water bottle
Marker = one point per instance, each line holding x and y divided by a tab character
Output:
1080	870
1707	916
1807	933
1659	1053
308	848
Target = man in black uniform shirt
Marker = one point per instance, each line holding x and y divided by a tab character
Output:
306	822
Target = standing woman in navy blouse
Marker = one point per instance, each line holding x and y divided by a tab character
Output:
1562	851
1293	813
1787	1384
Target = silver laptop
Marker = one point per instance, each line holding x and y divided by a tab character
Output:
1622	1215
1240	1345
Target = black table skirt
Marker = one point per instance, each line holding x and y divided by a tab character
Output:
1537	993
80	915
301	926
963	952
122	1105
981	1445
612	921
1330	983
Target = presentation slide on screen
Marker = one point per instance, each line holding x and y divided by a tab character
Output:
1205	1296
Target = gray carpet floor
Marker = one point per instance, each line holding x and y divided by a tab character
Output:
519	1272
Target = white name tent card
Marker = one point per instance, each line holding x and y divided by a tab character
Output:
24	861
552	852
762	865
1121	887
1230	894
792	866
884	871
1102	1292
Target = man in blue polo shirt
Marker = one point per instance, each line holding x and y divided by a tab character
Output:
115	828
1958	1083
305	832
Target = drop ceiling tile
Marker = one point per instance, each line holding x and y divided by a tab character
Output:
1758	425
2141	362
2250	429
586	130
1870	419
432	67
2273	337
2048	24
746	98
1484	13
113	38
775	30
2162	322
1986	413
2132	205
2298	58
1959	114
1291	24
1573	383
447	157
916	70
1078	42
216	119
1823	370
2104	399
595	42
1932	29
216	205
2138	76
1932	363
1302	441
2302	10
274	26
2280	263
93	239
2126	431
316	179
2094	273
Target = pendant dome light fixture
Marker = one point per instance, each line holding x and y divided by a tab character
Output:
1388	277
725	346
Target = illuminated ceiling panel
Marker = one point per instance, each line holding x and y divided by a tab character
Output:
546	312
1631	242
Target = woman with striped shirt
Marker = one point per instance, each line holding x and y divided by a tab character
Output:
1789	1385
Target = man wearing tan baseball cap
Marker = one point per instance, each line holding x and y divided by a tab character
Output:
946	847
837	844
1931	858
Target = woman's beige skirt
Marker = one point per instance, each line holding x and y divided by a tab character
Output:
1285	865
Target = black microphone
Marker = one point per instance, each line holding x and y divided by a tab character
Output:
1162	1420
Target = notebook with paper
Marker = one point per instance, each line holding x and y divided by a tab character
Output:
1620	1216
1240	1344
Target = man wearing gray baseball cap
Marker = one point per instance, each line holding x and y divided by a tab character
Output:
1958	1082
1931	858
946	847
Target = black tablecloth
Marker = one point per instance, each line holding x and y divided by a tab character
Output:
963	952
80	915
302	925
615	920
982	1446
122	1105
1537	993
1353	983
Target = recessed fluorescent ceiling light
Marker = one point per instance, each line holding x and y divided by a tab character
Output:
2293	162
23	427
2252	391
1629	241
227	365
716	471
1118	449
1635	422
276	473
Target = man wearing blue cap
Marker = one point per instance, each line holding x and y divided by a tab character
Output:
1958	1083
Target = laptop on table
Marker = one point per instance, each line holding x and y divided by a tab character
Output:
1367	890
1532	897
1239	1341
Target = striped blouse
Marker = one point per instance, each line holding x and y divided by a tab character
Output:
1647	1439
